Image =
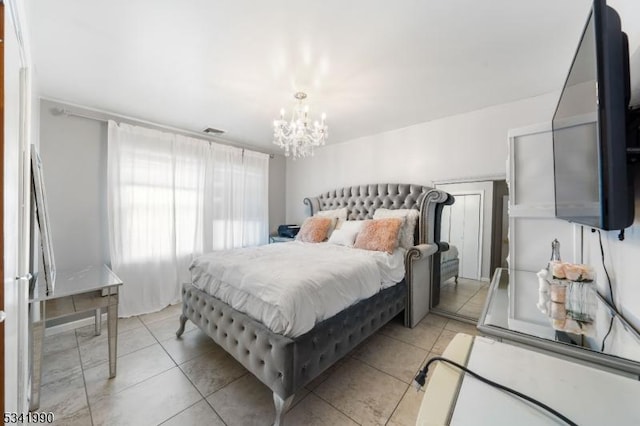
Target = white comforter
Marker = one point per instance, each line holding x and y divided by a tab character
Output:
291	286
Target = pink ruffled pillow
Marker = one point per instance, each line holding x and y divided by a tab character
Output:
379	235
314	229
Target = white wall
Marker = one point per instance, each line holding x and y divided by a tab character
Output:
74	161
623	263
74	157
467	145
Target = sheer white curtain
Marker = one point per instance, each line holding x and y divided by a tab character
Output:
171	197
239	194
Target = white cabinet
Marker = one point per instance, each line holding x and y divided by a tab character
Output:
532	222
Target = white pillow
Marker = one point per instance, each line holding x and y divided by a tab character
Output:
408	228
337	213
346	235
338	216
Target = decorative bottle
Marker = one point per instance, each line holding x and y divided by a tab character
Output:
555	251
555	260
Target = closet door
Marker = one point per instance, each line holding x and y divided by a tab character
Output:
472	241
465	232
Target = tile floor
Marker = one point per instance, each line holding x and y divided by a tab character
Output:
190	381
465	298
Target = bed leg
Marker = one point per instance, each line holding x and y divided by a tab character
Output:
282	405
456	279
183	321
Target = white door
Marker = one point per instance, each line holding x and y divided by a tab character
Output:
470	253
462	225
16	188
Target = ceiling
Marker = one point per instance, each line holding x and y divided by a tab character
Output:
371	65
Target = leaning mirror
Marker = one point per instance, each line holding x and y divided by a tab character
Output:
475	228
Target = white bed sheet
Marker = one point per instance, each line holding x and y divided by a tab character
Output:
289	287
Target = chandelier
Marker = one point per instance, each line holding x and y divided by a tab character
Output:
297	137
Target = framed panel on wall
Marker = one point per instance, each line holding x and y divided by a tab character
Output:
532	222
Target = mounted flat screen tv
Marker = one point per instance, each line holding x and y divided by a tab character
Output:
592	184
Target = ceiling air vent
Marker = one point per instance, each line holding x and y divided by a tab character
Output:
213	131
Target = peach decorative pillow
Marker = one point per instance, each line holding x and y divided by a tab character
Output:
379	235
314	229
407	230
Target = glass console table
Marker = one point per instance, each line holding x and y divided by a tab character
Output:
89	289
510	313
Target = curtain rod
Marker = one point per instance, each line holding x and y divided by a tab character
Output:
104	117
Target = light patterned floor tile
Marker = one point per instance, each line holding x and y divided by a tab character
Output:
132	368
423	335
247	401
147	403
213	370
461	327
392	356
60	342
407	411
443	341
200	414
363	393
95	351
81	417
171	311
190	345
124	324
470	310
64	397
166	328
313	411
57	365
244	402
433	320
325	375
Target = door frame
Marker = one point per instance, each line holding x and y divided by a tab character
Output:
18	388
2	390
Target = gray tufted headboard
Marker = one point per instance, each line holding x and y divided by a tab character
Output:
362	201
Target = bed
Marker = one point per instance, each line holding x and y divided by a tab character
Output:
449	264
284	363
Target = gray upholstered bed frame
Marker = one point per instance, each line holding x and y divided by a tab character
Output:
286	364
449	269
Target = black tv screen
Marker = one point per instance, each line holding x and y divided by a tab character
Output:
592	186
